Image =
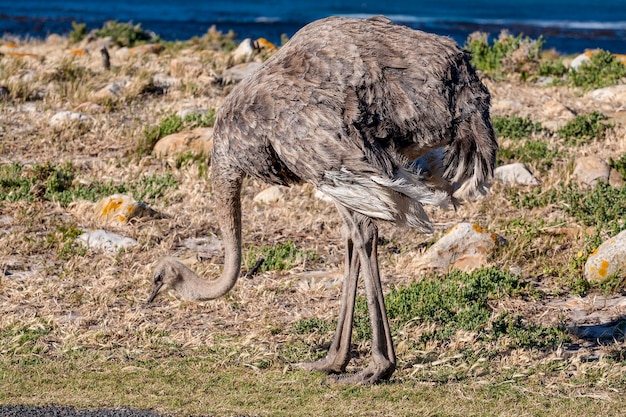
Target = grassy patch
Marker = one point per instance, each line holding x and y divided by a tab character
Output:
585	128
49	182
515	127
459	301
276	258
518	54
537	152
619	165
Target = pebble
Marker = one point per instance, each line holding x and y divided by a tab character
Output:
579	60
112	90
516	173
108	241
614	95
608	259
465	246
269	195
588	170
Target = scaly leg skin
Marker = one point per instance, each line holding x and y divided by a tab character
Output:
338	355
383	361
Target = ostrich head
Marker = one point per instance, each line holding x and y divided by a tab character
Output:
168	274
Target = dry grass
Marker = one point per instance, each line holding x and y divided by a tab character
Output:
75	327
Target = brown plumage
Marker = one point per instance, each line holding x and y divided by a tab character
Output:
379	117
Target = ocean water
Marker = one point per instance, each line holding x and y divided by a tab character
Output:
569	26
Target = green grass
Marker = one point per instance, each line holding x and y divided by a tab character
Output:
49	182
538	152
205	384
515	127
460	301
619	165
584	128
276	258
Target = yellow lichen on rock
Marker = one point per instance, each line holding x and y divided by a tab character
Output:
121	208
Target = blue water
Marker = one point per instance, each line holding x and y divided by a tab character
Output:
569	26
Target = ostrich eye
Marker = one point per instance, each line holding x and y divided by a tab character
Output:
158	278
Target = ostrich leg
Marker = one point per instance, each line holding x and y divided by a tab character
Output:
338	355
365	240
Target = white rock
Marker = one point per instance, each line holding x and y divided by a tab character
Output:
64	117
114	89
244	50
466	247
203	244
108	241
615	95
269	195
608	259
239	72
579	60
589	170
516	173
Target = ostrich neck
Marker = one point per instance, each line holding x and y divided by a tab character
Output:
227	194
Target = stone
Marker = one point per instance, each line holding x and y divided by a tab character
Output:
65	117
239	72
614	95
579	60
516	173
244	51
588	170
209	244
112	90
556	115
108	241
608	259
121	208
269	195
466	246
197	141
615	179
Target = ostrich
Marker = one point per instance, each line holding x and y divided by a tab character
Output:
382	119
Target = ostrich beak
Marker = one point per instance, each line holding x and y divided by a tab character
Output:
155	290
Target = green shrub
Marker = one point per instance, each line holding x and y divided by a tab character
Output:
78	33
509	53
584	128
125	34
602	70
619	165
515	127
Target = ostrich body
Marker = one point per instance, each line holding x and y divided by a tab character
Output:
381	118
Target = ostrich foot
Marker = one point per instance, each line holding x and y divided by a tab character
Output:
375	372
327	365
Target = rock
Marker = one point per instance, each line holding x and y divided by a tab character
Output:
516	173
466	247
243	51
113	90
239	72
579	60
614	95
64	117
608	259
198	141
593	317
269	195
186	67
588	170
615	179
121	208
108	241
